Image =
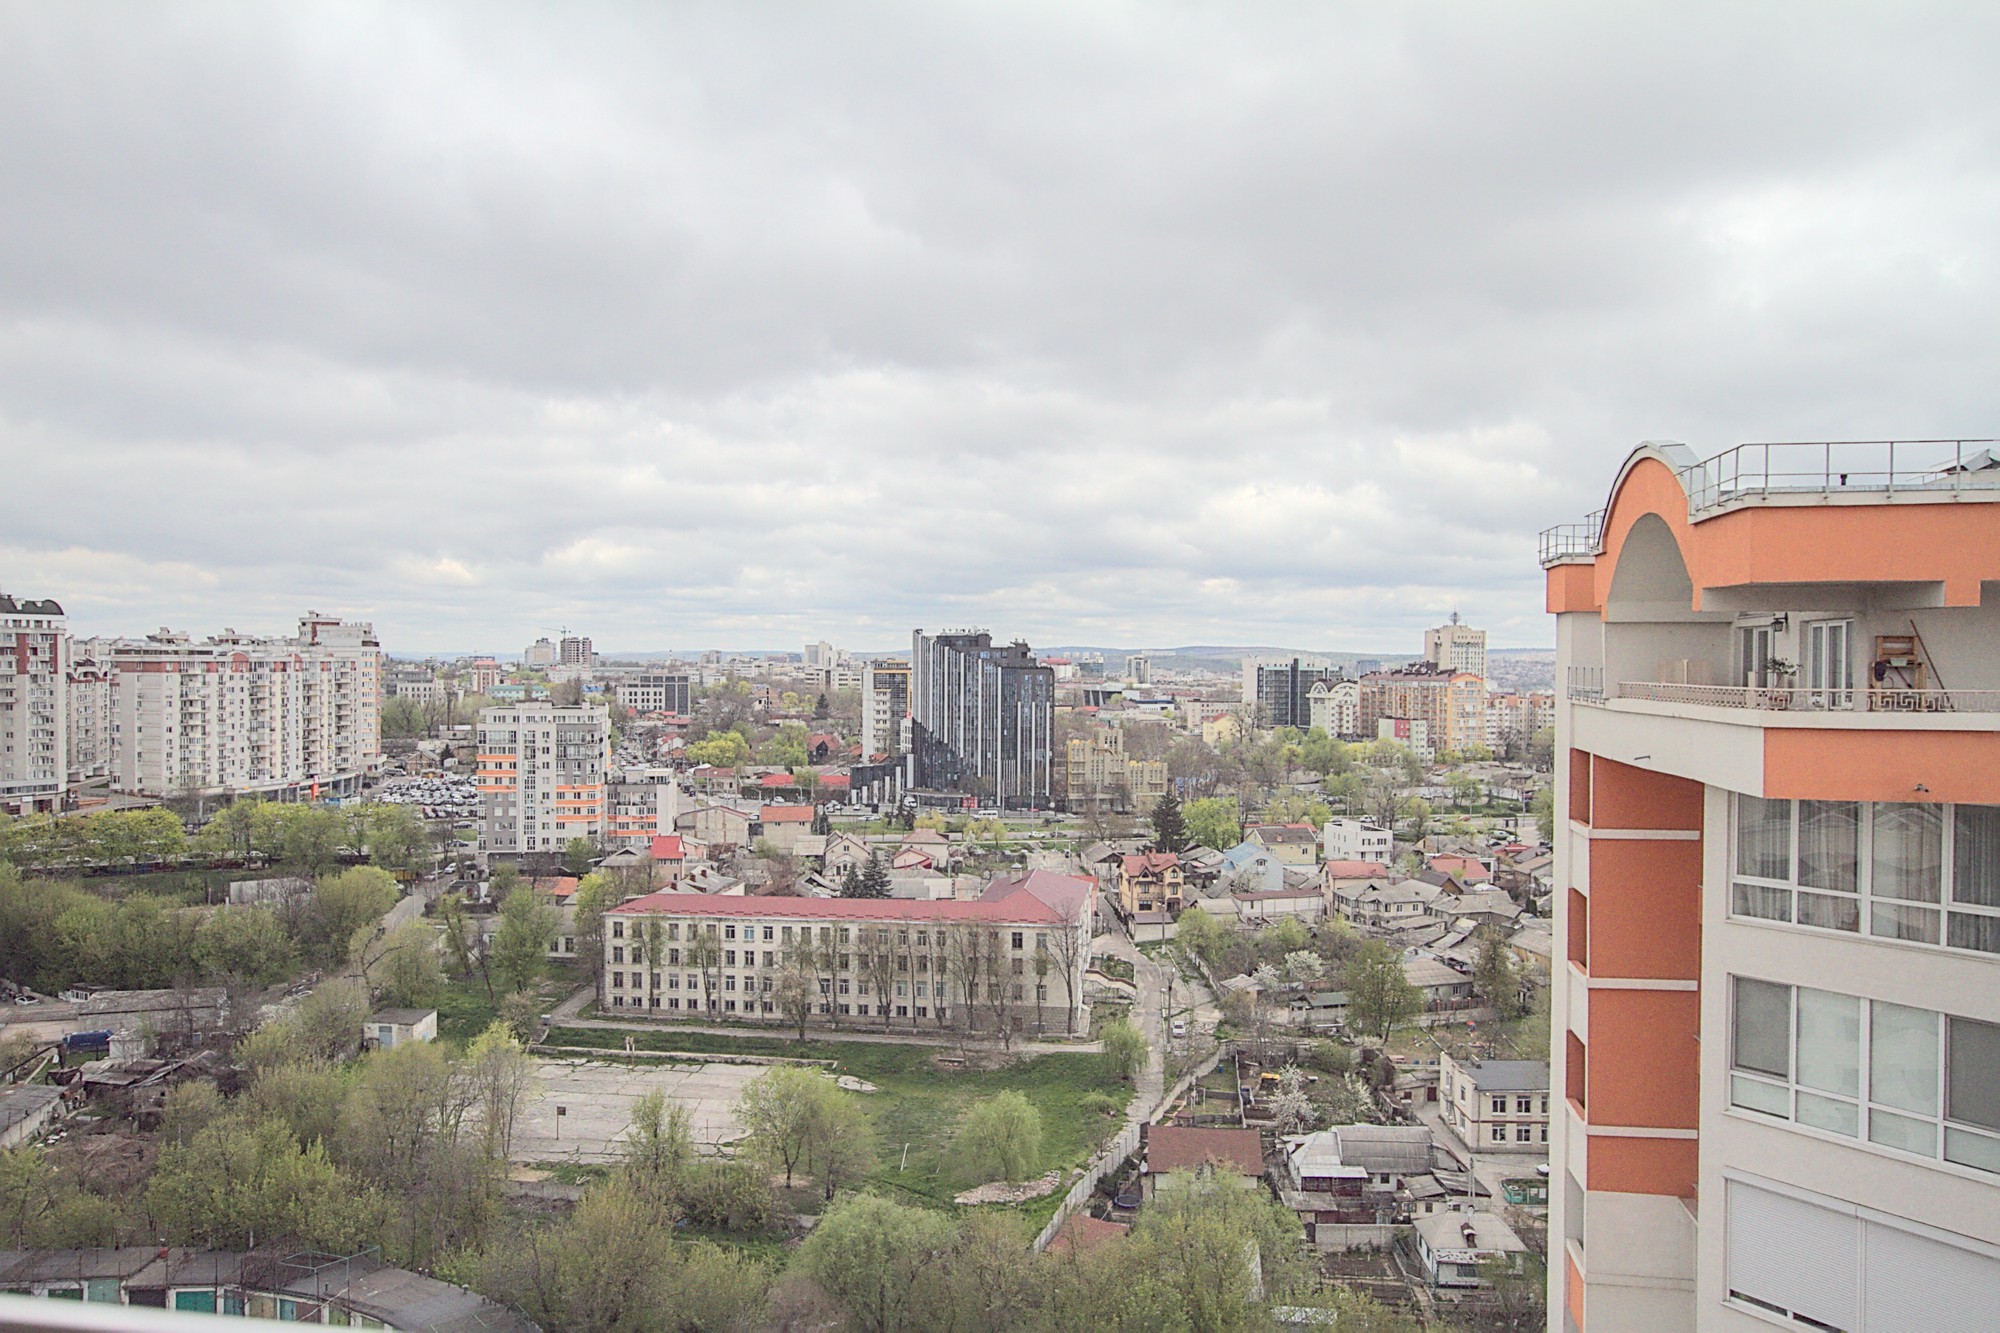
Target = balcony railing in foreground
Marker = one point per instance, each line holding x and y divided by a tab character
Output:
1760	698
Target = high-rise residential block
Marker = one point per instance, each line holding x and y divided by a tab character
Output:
885	702
541	776
1457	647
656	691
1282	691
1450	703
1777	993
34	706
540	655
284	718
981	719
575	651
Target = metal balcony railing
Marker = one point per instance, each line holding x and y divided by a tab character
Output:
1806	699
1827	468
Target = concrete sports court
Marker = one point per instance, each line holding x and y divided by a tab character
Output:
597	1099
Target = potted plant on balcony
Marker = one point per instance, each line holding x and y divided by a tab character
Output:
1781	677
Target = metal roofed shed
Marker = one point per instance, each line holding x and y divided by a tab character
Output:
25	1112
1507	1075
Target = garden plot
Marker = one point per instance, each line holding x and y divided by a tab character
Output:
596	1100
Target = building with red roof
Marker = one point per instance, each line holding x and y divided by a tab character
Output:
893	962
1235	1155
1150	882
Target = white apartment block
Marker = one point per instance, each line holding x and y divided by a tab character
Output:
656	691
34	706
1457	647
92	689
285	718
1358	840
1335	706
542	770
885	703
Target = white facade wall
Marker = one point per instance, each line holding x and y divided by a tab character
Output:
34	706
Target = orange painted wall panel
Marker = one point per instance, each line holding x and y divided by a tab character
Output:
1579	929
1641	1166
1579	786
1625	797
1882	765
1645	909
1644	1059
1573	1290
1572	588
1576	1070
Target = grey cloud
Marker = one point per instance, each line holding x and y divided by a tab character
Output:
1088	322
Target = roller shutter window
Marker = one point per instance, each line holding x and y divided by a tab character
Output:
1792	1257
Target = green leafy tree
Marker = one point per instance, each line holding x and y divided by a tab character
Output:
1544	808
501	1074
1495	975
880	1261
1202	936
397	840
1170	830
1379	992
659	1148
577	854
250	943
238	1179
778	1109
595	895
340	906
1000	1139
1214	821
1123	1050
405	966
528	927
723	749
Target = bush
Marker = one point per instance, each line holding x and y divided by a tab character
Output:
1001	1139
1103	1103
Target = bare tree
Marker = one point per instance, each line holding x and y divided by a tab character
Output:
1071	946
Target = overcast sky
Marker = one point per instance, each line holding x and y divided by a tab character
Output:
743	325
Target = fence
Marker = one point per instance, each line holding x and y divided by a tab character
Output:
1119	1149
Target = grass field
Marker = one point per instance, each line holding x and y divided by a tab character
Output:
918	1105
464	1011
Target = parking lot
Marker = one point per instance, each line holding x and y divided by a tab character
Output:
596	1099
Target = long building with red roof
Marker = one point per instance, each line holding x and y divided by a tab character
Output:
992	963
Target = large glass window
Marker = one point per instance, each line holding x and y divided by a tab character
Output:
1903	1078
1928	874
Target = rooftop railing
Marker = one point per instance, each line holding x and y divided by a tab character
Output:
1826	468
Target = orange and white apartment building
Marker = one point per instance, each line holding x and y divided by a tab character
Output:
1778	840
542	770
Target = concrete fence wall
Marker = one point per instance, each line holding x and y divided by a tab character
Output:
1118	1150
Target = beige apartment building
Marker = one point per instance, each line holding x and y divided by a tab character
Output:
996	961
295	718
1450	703
1777	963
541	776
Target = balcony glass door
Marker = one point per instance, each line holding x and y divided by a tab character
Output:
1830	663
1757	643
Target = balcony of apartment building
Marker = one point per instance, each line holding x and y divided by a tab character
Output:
1790	599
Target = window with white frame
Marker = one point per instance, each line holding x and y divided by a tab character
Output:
1926	874
1913	1080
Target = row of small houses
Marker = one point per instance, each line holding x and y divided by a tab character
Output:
1351	1186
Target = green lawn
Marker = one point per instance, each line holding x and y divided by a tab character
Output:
464	1011
919	1104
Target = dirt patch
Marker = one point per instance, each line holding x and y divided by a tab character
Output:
114	1163
1001	1191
